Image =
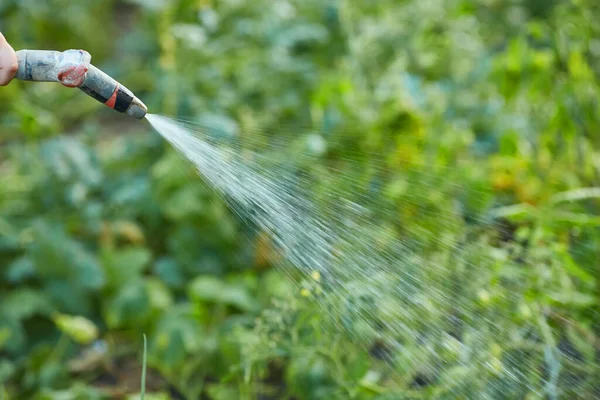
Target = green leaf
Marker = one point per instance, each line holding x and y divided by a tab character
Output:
370	382
169	172
132	191
69	160
575	299
129	307
185	203
24	303
159	294
302	34
576	195
58	257
14	337
575	269
7	369
276	284
4	336
212	289
311	377
583	341
69	297
20	269
78	391
222	392
169	271
125	266
78	328
177	335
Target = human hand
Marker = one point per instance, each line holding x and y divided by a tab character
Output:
8	62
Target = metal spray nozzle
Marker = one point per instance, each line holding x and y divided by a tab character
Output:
72	68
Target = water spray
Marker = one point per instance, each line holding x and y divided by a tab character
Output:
73	69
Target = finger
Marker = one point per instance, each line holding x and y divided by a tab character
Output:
8	70
6	76
8	62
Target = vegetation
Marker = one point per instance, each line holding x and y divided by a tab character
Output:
106	234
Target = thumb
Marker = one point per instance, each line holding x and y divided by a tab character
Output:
8	62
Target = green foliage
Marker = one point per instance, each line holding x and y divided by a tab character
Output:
106	233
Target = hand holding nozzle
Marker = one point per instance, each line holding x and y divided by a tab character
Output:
72	68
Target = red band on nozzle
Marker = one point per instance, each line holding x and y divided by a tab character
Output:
113	98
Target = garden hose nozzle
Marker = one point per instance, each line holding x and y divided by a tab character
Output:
72	68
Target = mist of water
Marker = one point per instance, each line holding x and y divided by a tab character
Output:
386	286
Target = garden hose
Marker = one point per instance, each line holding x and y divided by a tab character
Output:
72	68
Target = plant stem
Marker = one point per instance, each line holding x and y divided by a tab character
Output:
143	389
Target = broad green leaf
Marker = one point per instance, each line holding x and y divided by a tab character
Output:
69	297
575	299
186	202
19	270
78	328
215	290
24	303
78	391
69	160
7	370
169	172
177	335
58	257
223	392
169	271
14	336
159	294
125	266
132	190
128	307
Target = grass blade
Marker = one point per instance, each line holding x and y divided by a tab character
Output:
143	389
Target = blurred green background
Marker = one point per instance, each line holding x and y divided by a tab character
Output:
106	234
